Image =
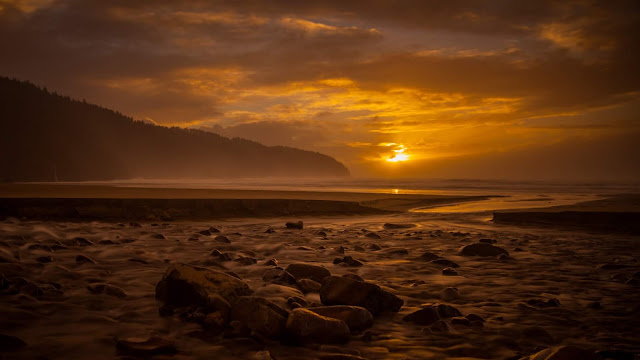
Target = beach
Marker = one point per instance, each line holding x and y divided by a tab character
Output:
87	282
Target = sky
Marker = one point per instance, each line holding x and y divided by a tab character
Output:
434	89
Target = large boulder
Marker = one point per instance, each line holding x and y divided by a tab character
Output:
357	318
186	285
261	316
481	249
344	291
563	353
307	271
304	326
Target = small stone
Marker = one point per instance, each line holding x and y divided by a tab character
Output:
449	272
595	305
344	291
158	236
460	321
340	249
374	247
297	299
372	235
145	348
213	230
445	263
397	226
349	261
294	225
425	316
307	271
271	262
279	276
108	289
10	343
357	318
429	256
205	232
474	317
321	233
135	224
269	231
223	239
481	249
304	326
308	286
397	251
81	259
450	293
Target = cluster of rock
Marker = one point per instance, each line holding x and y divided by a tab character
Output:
224	304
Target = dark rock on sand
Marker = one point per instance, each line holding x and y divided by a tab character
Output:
261	316
294	225
426	316
186	285
428	256
460	321
308	286
444	262
279	276
108	289
353	277
206	232
307	271
245	260
269	231
213	230
340	249
349	261
374	247
304	326
563	353
158	236
450	293
440	326
344	291
82	259
474	317
357	318
145	348
449	272
271	262
372	235
222	239
10	343
397	251
392	226
481	249
79	241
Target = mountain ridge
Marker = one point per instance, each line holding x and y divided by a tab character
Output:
49	137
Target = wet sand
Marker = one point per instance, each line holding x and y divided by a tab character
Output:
46	302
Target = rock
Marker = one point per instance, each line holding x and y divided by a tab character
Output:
107	242
111	290
544	304
294	225
374	247
213	230
271	262
304	326
446	311
445	263
349	261
307	271
504	257
345	291
357	318
10	343
340	249
81	259
397	226
474	317
308	286
279	276
460	321
359	248
298	300
215	252
373	236
353	277
429	256
159	236
487	241
321	233
205	232
449	272
305	248
245	260
44	259
79	241
481	249
223	239
261	316
450	293
269	231
564	353
397	251
145	348
425	316
135	224
440	326
186	285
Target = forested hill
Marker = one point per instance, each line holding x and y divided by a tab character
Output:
47	137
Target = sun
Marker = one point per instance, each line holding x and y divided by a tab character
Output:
398	155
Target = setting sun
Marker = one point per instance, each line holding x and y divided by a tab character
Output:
399	154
